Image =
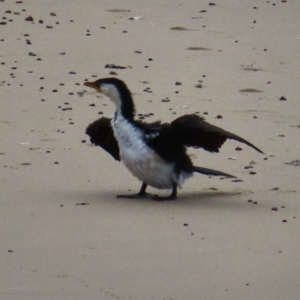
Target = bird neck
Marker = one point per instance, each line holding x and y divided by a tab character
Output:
125	106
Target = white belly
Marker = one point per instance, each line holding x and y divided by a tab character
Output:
148	167
141	160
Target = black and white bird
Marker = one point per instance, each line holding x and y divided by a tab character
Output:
156	152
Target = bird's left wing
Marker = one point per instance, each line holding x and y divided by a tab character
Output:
194	131
101	134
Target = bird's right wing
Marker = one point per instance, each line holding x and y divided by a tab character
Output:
101	134
194	131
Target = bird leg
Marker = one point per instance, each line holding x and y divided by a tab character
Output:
173	195
141	194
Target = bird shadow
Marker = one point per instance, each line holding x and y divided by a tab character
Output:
221	199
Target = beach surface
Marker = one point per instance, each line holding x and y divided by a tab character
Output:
65	235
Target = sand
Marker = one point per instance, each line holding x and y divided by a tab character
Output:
65	235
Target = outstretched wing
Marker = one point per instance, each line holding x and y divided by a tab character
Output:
194	131
101	134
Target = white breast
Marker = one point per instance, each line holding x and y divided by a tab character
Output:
141	160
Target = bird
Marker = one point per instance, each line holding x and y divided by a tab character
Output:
155	153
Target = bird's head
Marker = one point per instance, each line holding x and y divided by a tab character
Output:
117	91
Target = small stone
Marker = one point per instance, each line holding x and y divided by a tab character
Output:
53	14
29	19
274	208
239	149
282	98
178	83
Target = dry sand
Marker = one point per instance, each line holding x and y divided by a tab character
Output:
220	239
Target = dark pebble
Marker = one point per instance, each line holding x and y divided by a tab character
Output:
29	19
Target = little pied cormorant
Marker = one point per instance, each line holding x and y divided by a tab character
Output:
155	153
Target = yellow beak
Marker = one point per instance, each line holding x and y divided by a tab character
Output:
93	85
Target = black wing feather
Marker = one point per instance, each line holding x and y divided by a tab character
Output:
101	134
194	131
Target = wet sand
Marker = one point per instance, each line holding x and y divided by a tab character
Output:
65	235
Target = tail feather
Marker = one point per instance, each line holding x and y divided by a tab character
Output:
211	172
